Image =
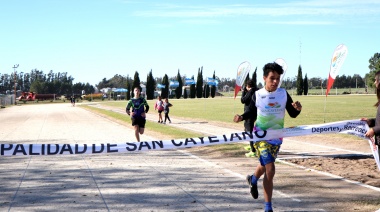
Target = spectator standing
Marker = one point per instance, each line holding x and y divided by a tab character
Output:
248	92
167	105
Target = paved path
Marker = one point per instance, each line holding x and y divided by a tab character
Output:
148	181
172	180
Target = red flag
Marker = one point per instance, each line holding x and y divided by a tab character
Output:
242	73
337	60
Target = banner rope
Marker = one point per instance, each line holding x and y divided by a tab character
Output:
353	127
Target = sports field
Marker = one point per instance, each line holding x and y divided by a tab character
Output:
315	109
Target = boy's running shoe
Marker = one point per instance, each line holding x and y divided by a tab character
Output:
253	187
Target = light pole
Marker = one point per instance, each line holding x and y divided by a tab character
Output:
22	80
14	69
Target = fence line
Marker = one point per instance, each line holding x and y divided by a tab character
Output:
6	100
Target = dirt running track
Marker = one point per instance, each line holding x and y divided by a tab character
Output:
171	180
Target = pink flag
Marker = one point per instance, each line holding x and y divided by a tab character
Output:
242	73
337	60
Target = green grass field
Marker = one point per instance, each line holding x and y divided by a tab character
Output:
221	109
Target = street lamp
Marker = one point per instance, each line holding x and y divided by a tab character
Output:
14	68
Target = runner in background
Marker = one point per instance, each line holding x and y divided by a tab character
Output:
270	103
72	100
139	109
248	92
159	106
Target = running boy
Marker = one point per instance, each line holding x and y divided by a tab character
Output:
270	103
138	115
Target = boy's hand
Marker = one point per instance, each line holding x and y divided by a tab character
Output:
297	105
238	118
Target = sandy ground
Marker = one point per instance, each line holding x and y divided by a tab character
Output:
360	168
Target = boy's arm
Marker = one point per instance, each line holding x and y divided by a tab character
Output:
251	112
293	112
128	107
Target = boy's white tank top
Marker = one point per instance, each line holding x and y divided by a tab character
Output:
271	108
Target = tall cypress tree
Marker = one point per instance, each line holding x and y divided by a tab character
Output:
206	92
128	88
192	89
178	91
299	81
254	77
213	87
165	91
136	83
200	83
184	94
150	85
305	85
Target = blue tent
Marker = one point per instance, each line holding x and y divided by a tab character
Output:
174	84
160	86
120	90
189	81
212	81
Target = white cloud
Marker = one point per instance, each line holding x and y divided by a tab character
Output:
293	8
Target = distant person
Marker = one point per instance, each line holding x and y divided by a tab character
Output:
374	123
159	106
167	105
270	102
248	92
72	100
138	115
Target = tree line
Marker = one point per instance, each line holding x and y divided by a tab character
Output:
62	83
39	82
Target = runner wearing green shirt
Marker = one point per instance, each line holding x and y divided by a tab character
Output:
270	103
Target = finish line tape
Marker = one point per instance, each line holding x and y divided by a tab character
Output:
353	127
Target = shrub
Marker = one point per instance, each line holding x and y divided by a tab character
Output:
93	96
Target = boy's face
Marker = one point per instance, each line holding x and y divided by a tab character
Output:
272	81
136	91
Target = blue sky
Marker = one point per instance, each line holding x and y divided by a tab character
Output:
96	39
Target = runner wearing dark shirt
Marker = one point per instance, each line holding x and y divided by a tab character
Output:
139	109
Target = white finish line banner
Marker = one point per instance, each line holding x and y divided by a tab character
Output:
353	127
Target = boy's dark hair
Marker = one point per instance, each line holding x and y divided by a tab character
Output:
269	67
250	83
138	87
